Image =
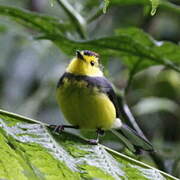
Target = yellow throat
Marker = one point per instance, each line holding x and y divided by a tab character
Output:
85	63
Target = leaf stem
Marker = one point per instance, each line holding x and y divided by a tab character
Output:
75	17
98	13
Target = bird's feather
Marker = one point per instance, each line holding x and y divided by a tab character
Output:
132	139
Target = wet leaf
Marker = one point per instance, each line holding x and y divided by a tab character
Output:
29	150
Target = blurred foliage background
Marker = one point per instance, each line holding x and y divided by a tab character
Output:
30	68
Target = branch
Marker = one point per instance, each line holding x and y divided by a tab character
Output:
75	17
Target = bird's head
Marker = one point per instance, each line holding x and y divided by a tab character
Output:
85	63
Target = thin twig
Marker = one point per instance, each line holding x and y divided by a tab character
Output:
98	13
75	17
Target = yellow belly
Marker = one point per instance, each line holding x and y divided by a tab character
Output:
86	107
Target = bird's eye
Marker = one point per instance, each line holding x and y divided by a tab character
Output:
92	63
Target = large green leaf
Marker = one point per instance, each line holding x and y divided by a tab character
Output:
132	45
155	52
29	150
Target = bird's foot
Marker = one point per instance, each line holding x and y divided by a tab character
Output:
100	132
60	128
57	128
93	141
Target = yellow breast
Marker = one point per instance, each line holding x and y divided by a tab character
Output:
85	106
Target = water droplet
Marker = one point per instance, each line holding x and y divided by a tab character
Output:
153	11
52	3
155	4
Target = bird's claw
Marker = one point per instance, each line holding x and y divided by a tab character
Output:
100	132
93	141
57	128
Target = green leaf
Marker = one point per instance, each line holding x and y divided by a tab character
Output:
42	23
153	52
131	45
29	150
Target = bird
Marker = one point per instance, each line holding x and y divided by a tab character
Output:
88	101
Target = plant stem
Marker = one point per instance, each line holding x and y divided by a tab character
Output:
75	17
98	13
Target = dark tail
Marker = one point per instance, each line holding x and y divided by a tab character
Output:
132	140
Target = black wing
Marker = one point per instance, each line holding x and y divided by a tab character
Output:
106	87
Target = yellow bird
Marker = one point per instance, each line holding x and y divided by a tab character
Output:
88	101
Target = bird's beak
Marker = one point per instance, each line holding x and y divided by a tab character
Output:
79	55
